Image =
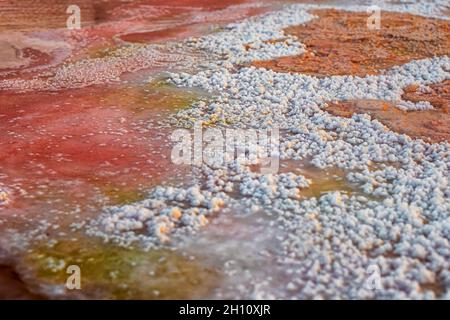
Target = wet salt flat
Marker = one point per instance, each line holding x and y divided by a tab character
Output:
86	176
83	132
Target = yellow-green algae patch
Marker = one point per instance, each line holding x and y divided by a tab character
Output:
321	180
157	96
104	51
122	196
181	98
112	272
326	184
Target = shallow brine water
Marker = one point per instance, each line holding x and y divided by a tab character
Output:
84	115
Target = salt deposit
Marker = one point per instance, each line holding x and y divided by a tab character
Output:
328	242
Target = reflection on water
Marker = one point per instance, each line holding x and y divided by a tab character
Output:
243	247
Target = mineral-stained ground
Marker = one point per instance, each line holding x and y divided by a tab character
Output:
359	203
429	125
340	43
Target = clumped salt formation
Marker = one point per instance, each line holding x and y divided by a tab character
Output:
167	210
401	223
99	70
255	38
429	8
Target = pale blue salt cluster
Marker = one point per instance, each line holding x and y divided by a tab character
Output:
108	69
398	222
248	41
261	89
152	221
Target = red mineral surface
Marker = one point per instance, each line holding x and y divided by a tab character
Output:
429	125
340	43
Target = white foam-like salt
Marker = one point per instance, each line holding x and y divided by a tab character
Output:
328	242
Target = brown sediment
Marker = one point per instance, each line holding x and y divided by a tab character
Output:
30	14
322	181
340	43
12	287
430	125
52	14
437	288
438	95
